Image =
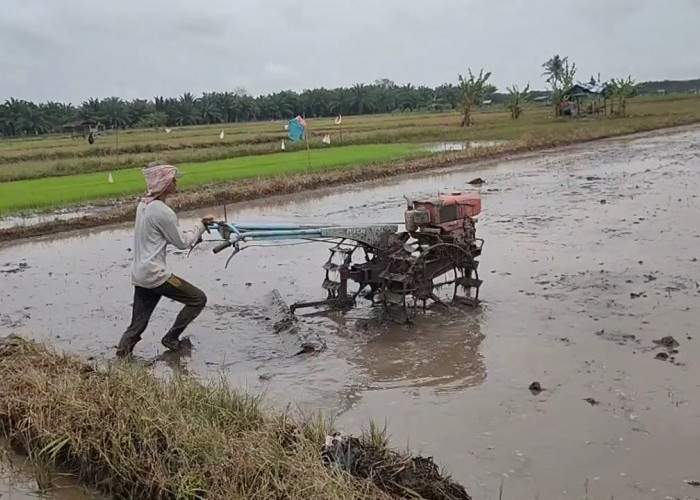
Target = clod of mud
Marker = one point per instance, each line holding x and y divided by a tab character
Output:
692	482
634	295
662	356
669	342
592	401
401	477
592	178
285	324
603	202
535	388
10	268
477	182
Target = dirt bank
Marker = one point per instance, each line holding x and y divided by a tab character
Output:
132	436
204	196
591	255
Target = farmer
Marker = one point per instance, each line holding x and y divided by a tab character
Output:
156	226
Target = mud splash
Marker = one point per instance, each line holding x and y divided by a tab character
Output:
576	292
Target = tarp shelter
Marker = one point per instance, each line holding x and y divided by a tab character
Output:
583	89
590	90
82	127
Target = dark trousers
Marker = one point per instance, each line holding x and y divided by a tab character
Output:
146	300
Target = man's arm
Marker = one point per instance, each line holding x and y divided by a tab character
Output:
169	227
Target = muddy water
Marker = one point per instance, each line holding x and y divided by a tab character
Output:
591	254
19	480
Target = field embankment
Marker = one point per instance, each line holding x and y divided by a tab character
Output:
129	434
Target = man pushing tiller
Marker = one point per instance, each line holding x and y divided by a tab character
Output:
156	226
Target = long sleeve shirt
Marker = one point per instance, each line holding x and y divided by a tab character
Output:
156	227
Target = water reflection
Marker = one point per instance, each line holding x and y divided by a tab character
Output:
439	352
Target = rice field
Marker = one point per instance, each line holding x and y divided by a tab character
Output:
63	190
57	171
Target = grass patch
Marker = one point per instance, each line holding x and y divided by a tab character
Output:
58	191
131	435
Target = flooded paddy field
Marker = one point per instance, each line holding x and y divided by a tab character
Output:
591	258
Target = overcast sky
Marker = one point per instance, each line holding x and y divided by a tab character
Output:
70	50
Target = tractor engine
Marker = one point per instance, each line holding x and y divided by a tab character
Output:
451	215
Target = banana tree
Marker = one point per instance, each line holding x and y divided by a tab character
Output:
516	99
472	92
621	90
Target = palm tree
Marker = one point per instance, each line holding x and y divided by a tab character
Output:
406	98
342	102
362	99
57	114
247	108
90	110
472	93
137	110
186	110
14	109
114	112
560	77
227	104
553	68
209	110
31	120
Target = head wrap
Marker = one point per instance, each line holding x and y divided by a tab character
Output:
158	177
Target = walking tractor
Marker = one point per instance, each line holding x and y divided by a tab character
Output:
432	261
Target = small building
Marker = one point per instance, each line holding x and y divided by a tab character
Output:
83	128
592	95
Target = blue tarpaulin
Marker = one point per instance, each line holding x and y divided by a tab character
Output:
297	129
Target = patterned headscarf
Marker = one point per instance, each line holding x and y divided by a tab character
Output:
158	177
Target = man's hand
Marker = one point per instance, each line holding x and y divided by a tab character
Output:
208	220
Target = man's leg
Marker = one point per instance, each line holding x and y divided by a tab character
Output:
186	293
145	301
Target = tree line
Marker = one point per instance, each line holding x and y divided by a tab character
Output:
21	118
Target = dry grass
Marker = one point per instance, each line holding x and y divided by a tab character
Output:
130	435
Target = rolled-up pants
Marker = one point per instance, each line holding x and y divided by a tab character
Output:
146	300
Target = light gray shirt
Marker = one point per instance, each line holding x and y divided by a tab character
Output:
156	226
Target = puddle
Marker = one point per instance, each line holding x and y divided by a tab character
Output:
30	219
572	238
19	480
